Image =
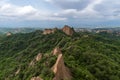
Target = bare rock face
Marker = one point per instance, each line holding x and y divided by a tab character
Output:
49	31
32	63
68	30
36	78
60	70
38	57
9	34
56	51
17	72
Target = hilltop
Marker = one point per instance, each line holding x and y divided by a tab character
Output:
60	55
66	29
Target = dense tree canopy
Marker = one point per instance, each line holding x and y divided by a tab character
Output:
89	56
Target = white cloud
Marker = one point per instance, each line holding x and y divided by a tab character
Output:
87	13
70	4
28	12
90	9
3	1
64	0
11	10
77	9
109	9
91	6
68	9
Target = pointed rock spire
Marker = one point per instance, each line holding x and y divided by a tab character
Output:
38	57
68	30
56	51
60	70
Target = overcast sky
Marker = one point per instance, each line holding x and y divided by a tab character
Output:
48	13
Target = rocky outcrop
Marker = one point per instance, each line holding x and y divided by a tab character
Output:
38	57
17	72
60	70
32	63
9	34
36	78
49	31
68	30
56	51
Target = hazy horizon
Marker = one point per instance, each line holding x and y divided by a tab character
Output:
56	13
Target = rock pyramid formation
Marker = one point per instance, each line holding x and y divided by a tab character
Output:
60	70
56	51
68	30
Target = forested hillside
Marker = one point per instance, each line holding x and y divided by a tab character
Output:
88	56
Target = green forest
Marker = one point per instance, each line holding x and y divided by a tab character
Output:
89	56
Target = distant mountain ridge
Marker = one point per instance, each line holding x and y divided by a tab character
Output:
16	30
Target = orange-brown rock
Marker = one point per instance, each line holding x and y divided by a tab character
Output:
38	57
56	51
49	31
36	78
68	30
60	70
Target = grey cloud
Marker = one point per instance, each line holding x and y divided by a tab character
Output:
109	8
28	12
71	4
97	9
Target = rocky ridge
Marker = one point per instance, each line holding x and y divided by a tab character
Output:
60	70
66	29
49	31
